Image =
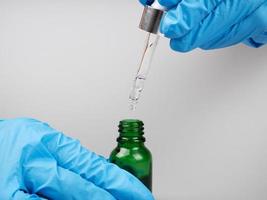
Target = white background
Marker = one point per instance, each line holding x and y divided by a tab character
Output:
71	63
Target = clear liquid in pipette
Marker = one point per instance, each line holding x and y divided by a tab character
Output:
144	67
138	87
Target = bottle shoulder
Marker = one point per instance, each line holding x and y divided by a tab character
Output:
135	153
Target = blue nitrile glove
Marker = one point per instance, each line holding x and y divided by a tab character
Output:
212	24
37	162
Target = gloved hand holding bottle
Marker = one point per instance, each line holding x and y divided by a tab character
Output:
38	162
212	24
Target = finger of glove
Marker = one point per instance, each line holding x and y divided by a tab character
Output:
19	195
224	16
178	21
42	176
70	154
260	37
169	3
257	40
146	2
241	31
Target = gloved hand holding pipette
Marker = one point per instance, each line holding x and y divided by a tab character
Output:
39	163
212	24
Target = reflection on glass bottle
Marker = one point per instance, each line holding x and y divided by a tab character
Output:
131	153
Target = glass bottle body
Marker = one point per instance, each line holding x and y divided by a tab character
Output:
132	155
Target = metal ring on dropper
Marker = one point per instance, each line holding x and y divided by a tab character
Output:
150	20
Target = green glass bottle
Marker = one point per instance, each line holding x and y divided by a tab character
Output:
131	153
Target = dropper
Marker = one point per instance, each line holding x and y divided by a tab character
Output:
150	23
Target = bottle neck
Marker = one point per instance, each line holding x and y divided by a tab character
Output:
131	132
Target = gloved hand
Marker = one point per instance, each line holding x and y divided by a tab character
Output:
212	24
37	162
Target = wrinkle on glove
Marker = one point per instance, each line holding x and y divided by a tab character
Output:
41	163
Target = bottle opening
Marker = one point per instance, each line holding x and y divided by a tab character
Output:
131	127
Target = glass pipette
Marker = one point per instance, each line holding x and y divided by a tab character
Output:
150	22
143	70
